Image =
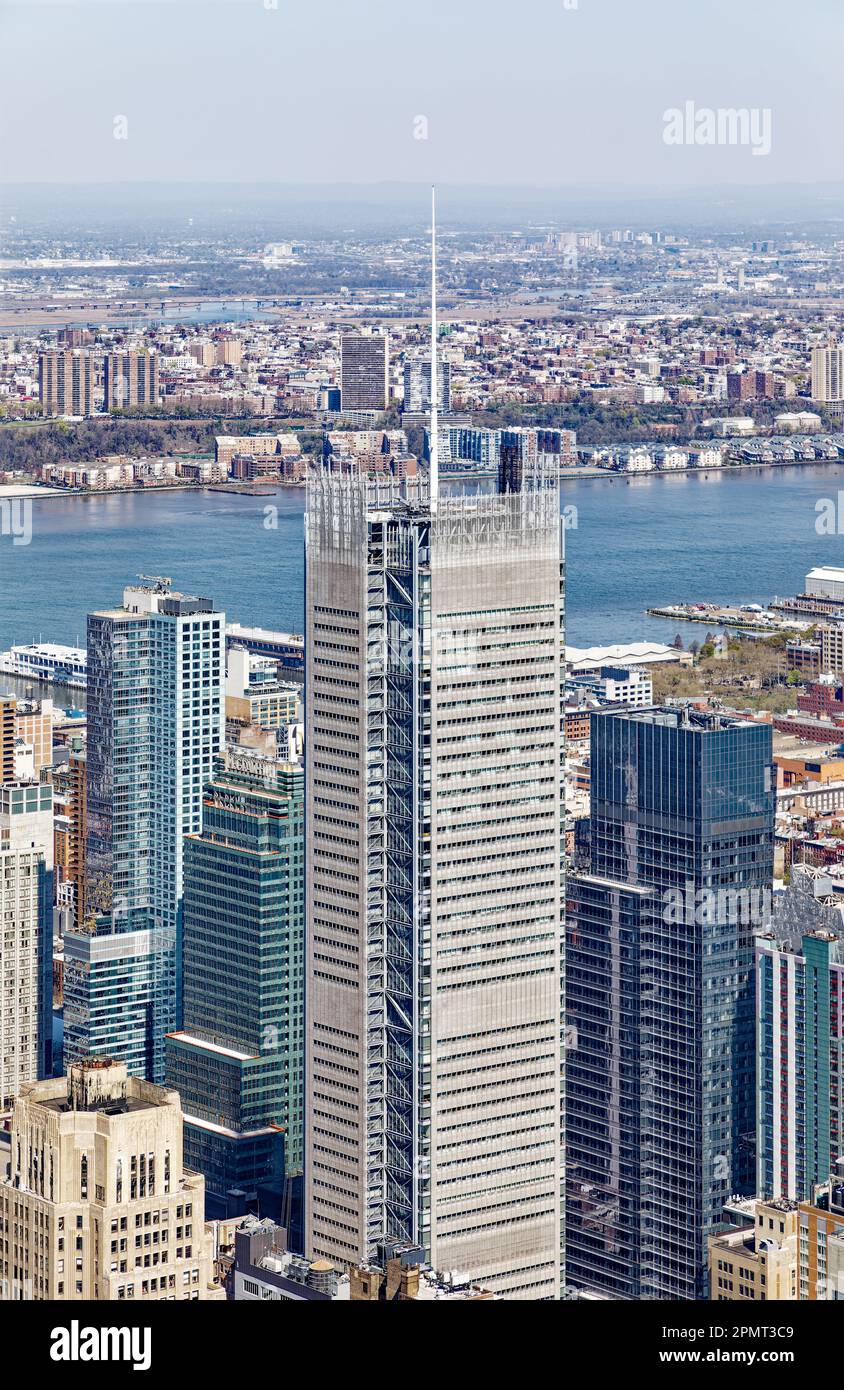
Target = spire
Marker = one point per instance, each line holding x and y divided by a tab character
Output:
434	434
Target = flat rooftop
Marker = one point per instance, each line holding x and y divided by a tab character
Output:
116	1105
192	1041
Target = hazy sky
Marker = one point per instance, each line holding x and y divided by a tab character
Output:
537	91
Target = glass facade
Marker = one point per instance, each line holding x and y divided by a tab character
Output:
238	1062
800	1039
156	673
660	995
26	941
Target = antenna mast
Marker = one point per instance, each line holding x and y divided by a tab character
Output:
434	477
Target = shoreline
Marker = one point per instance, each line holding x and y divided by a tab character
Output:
32	492
47	494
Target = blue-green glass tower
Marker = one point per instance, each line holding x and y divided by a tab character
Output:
156	720
238	1061
800	1038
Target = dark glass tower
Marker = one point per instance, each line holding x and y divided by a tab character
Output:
238	1061
661	1067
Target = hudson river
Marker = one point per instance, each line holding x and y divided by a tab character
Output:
742	535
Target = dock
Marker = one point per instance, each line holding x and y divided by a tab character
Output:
725	615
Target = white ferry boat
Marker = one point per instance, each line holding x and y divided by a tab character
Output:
47	661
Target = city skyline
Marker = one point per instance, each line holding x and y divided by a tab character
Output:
422	672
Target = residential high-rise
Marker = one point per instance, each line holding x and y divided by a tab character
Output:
800	1039
156	672
228	350
492	449
832	647
8	737
74	337
66	383
238	1063
26	940
765	385
97	1204
70	827
130	379
828	374
660	1072
365	371
434	1005
203	352
741	385
417	385
29	722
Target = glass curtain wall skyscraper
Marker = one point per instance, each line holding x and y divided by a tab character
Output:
800	1038
156	674
661	914
238	1062
26	943
434	866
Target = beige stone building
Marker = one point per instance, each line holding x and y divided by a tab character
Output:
821	1257
29	722
26	864
95	1203
229	351
832	647
229	446
757	1262
434	880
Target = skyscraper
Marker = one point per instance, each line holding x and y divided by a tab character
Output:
156	672
828	374
365	371
26	941
238	1062
130	379
97	1204
434	1106
66	383
660	1071
800	1039
70	820
417	385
